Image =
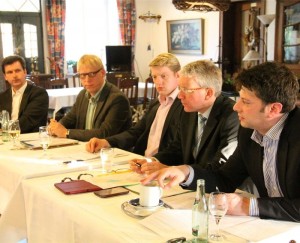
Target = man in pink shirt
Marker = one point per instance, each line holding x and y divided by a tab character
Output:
157	128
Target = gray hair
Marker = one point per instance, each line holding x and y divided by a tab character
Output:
205	73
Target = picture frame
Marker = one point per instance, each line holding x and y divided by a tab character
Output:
185	36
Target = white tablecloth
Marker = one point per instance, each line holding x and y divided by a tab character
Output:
17	165
59	98
54	217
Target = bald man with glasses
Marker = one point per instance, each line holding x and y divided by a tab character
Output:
207	135
100	109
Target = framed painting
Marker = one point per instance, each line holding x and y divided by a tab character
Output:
185	36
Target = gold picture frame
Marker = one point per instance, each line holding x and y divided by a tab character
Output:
185	36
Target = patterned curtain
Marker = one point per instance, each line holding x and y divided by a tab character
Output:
127	20
55	20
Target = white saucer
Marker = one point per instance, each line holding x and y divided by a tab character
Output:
134	209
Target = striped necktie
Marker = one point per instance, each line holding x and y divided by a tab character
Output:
199	132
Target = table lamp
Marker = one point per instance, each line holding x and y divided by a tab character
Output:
266	20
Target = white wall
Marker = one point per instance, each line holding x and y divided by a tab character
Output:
155	35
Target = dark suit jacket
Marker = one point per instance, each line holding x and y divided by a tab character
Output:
247	161
137	136
220	132
33	108
112	115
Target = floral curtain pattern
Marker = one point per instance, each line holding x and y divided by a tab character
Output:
127	22
55	21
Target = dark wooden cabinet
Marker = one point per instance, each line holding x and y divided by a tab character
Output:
232	34
287	41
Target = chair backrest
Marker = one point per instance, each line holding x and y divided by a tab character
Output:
129	86
116	77
150	91
76	81
58	83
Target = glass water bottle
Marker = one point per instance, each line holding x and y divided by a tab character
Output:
200	214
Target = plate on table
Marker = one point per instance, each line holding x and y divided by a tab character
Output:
134	209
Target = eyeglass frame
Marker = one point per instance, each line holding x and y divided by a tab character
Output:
78	177
90	74
189	91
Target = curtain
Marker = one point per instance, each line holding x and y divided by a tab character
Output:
127	21
55	21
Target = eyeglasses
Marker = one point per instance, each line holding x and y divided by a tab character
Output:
117	171
78	177
90	74
189	91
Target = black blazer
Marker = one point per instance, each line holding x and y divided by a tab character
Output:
220	133
137	136
247	161
33	110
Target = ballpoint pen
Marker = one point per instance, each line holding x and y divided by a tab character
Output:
137	164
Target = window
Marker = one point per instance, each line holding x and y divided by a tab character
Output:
7	39
90	26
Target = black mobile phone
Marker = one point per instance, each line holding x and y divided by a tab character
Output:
111	192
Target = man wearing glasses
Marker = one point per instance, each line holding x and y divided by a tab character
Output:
100	110
207	135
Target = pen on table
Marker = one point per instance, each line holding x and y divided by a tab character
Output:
137	164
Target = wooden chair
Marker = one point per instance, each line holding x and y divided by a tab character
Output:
76	81
150	92
129	86
58	83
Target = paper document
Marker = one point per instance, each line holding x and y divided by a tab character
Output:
121	177
181	201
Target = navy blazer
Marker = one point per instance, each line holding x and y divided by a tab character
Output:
137	136
112	115
247	160
33	111
219	135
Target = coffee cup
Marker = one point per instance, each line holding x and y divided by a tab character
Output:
150	194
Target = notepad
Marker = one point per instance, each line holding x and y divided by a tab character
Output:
55	142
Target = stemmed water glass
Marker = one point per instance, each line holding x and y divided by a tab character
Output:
14	131
218	206
45	138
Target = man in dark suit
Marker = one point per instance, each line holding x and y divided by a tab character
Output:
200	85
268	148
160	122
23	100
100	109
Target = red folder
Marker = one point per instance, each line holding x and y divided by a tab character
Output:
76	186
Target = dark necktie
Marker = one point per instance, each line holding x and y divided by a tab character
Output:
199	132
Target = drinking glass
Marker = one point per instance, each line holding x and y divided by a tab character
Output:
45	138
218	206
14	131
106	156
4	120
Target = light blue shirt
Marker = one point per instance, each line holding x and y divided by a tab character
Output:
93	101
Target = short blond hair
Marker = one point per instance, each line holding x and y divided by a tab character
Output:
91	60
166	60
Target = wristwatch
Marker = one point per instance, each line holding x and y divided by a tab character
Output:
68	133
